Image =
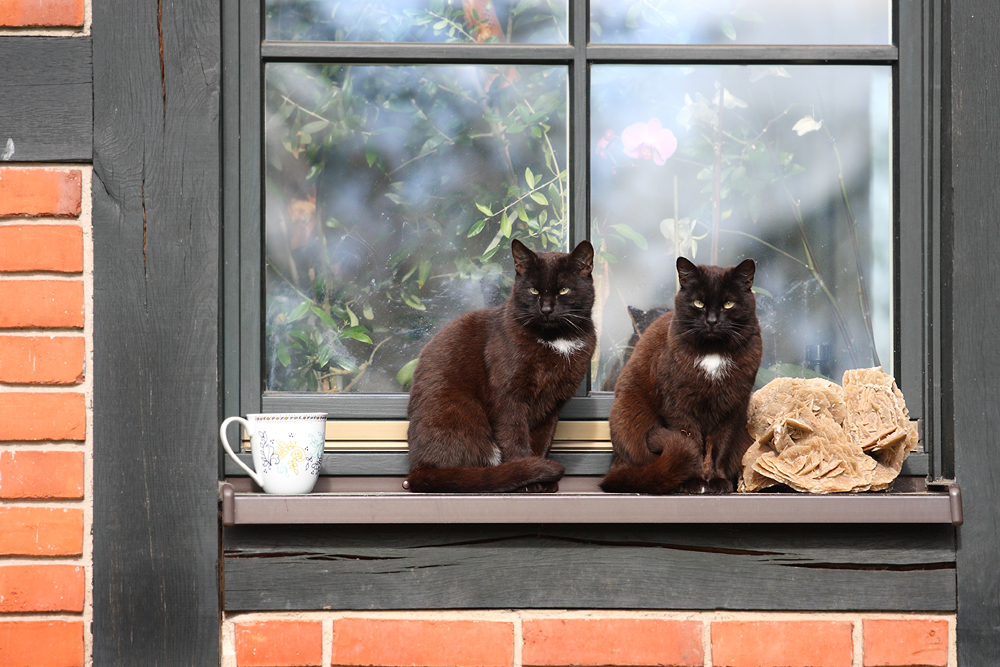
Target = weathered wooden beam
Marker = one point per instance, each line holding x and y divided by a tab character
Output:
46	99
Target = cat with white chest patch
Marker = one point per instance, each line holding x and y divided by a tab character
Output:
678	423
489	386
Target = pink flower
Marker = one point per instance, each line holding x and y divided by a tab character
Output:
604	142
649	141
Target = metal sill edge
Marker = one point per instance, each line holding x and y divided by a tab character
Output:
588	507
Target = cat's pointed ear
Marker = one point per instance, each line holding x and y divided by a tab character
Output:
583	255
744	273
686	271
523	256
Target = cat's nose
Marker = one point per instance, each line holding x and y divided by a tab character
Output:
546	306
712	318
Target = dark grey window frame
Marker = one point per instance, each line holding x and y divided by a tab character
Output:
916	86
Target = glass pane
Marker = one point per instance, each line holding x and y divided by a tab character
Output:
740	21
787	165
392	194
469	21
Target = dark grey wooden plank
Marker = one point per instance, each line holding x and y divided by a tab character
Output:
46	99
637	567
971	211
156	292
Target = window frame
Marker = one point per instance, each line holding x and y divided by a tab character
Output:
915	189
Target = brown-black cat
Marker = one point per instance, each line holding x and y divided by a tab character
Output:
488	388
678	423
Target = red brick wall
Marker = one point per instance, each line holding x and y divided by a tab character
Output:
44	396
588	639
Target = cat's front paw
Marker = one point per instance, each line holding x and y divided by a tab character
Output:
540	487
693	486
719	485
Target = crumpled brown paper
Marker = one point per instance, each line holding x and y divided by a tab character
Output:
818	437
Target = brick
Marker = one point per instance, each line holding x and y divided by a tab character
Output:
42	359
29	474
279	644
782	644
41	588
37	416
27	192
41	13
41	248
41	303
905	643
596	642
40	531
41	643
422	643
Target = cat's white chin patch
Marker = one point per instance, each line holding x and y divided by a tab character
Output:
563	346
715	366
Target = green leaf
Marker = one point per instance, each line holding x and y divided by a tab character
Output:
323	315
607	257
371	154
493	246
357	333
761	291
300	311
476	228
413	302
424	272
728	30
368	312
632	16
405	375
505	225
284	357
540	198
631	234
521	212
323	356
313	127
352	316
529	177
485	209
516	128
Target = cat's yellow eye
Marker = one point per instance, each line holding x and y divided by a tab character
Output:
729	304
564	290
533	290
699	304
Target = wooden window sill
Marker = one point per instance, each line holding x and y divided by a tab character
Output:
381	500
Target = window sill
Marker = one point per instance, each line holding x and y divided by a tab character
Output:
380	500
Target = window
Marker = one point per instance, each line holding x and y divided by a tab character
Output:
390	150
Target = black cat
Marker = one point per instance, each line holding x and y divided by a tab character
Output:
678	423
488	388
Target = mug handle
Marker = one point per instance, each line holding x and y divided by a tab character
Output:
225	443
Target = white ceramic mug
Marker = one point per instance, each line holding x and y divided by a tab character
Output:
287	449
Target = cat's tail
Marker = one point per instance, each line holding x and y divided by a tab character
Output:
518	475
664	475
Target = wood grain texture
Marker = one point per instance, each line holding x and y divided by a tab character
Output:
972	209
636	567
156	284
46	111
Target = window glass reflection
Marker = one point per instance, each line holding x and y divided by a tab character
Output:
740	21
391	197
788	165
469	21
